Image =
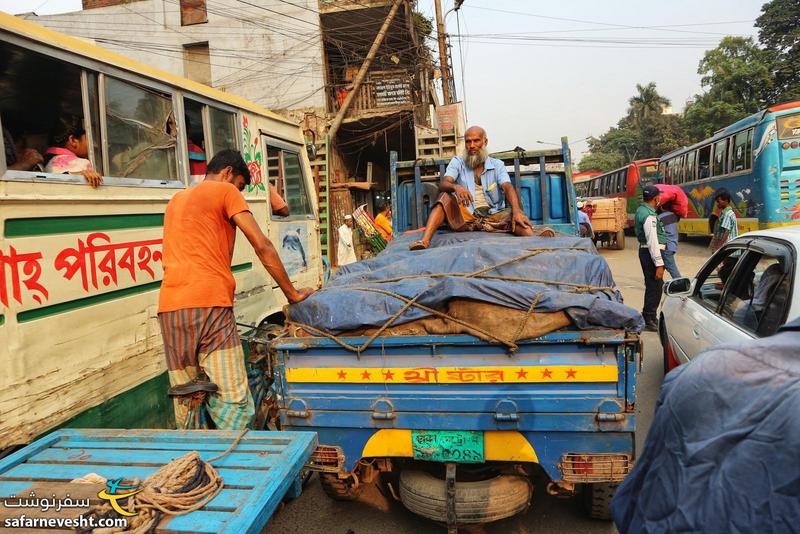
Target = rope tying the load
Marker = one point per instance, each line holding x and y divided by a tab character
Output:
479	274
182	486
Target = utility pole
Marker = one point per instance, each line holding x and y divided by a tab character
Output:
362	72
443	54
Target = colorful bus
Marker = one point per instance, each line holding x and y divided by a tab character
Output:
626	182
757	159
80	267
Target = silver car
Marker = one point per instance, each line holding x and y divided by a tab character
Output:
748	289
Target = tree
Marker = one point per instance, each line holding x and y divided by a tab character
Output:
737	71
738	82
663	133
779	34
646	104
707	115
601	161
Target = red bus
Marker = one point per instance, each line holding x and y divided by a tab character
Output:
626	182
585	175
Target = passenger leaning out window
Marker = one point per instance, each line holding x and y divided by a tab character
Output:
69	150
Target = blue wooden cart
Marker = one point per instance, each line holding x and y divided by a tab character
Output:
257	473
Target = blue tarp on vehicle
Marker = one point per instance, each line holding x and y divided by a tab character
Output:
585	289
722	452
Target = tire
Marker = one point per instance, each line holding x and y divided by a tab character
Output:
597	498
339	489
476	502
670	362
619	242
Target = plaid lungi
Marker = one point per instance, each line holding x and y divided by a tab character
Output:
207	339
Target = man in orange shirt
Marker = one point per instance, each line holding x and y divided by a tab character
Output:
195	309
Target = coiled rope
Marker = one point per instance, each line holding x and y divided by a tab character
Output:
182	486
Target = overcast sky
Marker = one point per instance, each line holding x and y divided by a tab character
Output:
571	65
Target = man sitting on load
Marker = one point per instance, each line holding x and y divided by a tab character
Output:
476	194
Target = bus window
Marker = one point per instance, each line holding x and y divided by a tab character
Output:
720	157
286	174
141	132
740	152
223	129
689	176
623	181
195	139
704	162
36	91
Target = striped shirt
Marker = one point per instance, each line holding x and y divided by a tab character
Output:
727	221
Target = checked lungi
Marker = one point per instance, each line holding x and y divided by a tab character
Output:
207	339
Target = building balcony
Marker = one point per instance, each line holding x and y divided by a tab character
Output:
381	93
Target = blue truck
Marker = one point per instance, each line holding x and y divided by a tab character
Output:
455	426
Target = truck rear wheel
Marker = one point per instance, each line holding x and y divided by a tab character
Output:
340	489
476	502
597	498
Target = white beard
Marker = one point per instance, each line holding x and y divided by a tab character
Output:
474	161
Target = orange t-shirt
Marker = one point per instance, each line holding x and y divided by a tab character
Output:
198	247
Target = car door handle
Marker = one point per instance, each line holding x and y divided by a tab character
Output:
696	332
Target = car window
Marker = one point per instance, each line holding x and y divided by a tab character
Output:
712	279
756	298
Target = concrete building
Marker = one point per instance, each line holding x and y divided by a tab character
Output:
267	52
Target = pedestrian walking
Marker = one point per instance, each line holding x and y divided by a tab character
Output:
727	226
652	242
346	253
670	221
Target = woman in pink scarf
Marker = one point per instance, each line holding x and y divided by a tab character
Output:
69	150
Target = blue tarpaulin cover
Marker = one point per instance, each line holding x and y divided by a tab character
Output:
723	452
343	304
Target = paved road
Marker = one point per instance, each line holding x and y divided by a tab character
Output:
314	513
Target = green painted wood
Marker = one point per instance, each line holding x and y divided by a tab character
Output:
144	406
33	226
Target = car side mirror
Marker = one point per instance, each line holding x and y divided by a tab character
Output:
678	286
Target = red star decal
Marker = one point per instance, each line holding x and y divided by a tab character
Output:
365	375
571	373
547	373
522	373
388	375
342	375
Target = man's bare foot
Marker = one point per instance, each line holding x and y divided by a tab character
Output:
419	244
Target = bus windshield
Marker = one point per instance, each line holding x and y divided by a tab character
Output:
648	173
